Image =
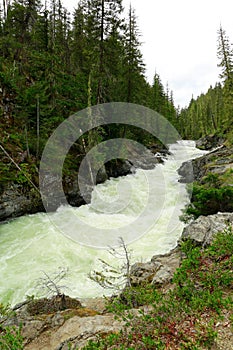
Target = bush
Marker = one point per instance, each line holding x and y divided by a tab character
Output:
207	201
11	338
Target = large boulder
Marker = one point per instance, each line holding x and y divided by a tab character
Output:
216	162
202	230
158	271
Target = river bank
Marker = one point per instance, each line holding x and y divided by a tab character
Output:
74	325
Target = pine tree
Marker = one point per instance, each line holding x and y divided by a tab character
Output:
134	66
225	55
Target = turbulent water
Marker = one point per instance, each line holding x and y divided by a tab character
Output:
32	245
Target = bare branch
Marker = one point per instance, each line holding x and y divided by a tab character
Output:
51	283
112	277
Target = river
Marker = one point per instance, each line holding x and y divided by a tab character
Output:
31	245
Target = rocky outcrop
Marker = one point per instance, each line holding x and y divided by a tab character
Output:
48	324
202	230
158	271
16	201
209	142
216	162
77	331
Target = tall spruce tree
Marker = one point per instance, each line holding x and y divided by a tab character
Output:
225	55
134	65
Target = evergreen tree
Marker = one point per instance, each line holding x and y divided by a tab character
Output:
225	55
134	66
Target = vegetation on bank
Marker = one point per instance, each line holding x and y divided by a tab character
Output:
212	112
185	315
213	192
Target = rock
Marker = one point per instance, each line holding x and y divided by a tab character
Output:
217	161
209	142
17	200
75	333
158	271
32	328
169	263
97	304
202	230
118	167
143	273
164	275
57	320
82	332
54	304
186	172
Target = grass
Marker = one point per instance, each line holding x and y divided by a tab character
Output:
185	316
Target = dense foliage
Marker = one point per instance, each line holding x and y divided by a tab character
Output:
212	113
53	64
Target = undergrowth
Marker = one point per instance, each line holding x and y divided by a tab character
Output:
11	338
185	316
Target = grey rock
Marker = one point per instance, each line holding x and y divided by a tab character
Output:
169	263
159	270
57	320
209	142
162	276
217	161
74	333
186	172
142	273
31	329
202	230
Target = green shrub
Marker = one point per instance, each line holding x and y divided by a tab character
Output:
209	200
11	338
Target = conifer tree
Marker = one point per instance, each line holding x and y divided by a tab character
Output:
134	66
225	55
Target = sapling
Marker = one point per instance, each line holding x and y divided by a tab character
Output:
51	283
111	277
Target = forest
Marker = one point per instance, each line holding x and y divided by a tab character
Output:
54	64
212	112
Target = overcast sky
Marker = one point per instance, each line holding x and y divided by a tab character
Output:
180	41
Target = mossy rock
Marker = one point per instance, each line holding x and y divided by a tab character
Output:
51	305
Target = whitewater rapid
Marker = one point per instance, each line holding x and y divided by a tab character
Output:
31	245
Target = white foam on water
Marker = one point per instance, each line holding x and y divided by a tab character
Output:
32	244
